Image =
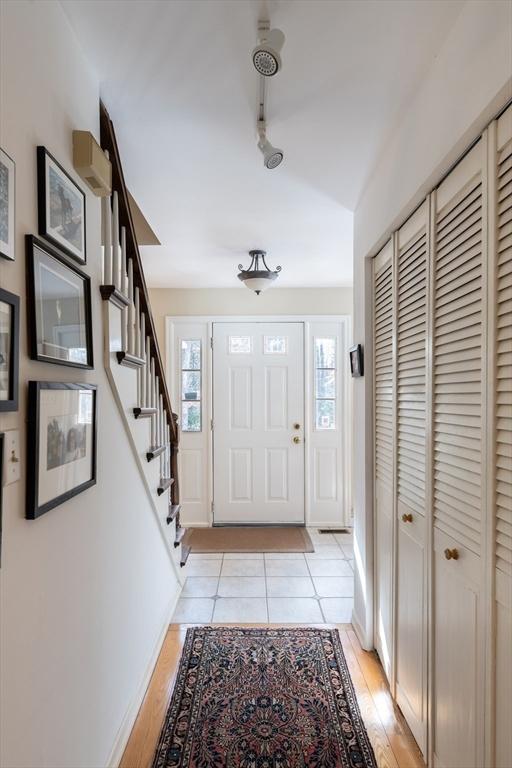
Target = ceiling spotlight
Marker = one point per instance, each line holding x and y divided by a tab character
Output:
266	56
272	157
256	278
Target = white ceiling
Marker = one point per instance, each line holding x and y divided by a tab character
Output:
178	81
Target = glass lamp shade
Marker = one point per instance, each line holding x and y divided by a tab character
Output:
259	282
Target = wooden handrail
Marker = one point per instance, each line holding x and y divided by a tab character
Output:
109	142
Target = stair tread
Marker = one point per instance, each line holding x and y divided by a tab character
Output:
185	552
173	512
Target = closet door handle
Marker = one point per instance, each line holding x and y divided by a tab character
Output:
407	518
451	554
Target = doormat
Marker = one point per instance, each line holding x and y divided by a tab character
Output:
263	697
244	539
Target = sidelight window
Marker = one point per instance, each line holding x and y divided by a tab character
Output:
325	383
191	385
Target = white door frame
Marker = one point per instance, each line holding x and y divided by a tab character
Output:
172	323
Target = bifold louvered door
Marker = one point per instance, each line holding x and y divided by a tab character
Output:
501	308
384	452
459	314
411	598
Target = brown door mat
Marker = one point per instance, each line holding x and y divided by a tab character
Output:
241	539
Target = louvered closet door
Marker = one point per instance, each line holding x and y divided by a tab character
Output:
459	472
384	452
411	318
502	303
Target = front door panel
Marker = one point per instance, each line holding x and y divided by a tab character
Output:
258	416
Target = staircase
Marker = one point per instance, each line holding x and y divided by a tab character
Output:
132	357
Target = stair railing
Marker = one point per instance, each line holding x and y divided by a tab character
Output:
125	286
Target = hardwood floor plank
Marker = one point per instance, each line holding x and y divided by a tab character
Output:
402	742
383	751
143	739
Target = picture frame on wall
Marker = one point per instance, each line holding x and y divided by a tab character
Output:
59	307
356	360
61	207
1	490
9	350
7	205
61	443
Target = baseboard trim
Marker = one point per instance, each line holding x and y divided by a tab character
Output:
126	727
361	635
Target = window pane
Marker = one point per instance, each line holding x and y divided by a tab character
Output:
240	345
325	353
191	417
191	385
274	345
325	383
191	354
325	414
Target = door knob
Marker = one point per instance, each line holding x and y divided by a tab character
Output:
451	554
407	518
296	439
296	425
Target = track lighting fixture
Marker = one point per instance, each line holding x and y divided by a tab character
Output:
272	157
266	56
267	62
256	278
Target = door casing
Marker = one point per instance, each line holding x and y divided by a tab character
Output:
344	325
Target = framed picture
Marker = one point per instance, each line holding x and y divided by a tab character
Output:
7	205
356	360
61	207
9	350
61	443
59	307
1	489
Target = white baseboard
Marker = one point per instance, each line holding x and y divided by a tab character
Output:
125	730
361	635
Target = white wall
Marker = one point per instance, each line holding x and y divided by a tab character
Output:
469	81
208	302
85	590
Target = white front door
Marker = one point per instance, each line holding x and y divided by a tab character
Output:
258	423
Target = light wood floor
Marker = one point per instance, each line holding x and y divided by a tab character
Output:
391	739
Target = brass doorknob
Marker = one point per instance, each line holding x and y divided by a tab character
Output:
407	518
451	554
296	439
296	425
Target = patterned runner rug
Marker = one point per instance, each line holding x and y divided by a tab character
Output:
263	698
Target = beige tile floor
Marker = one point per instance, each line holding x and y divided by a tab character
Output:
316	587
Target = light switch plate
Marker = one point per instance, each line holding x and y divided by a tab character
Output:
12	458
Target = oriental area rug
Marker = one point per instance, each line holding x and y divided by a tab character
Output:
263	698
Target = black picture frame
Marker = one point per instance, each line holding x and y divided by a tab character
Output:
7	206
1	490
46	161
11	402
355	354
34	509
34	244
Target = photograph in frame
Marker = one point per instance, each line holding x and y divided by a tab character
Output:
356	361
61	206
7	206
61	443
59	307
9	350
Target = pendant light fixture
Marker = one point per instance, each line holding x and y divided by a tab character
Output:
258	277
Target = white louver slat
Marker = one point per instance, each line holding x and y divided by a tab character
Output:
458	336
503	424
411	337
383	340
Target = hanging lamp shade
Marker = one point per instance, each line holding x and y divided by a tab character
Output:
258	277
